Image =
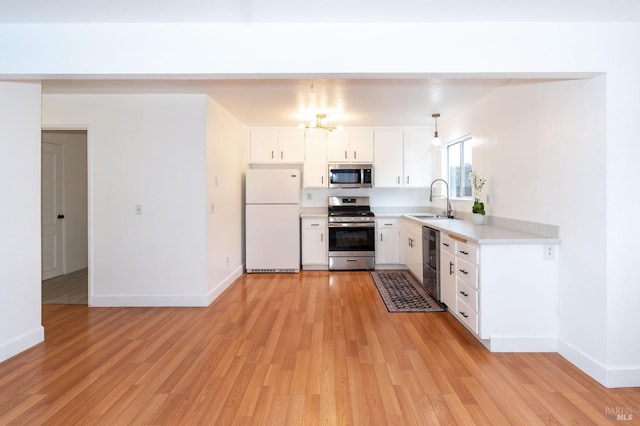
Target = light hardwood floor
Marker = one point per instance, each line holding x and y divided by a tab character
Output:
68	289
304	349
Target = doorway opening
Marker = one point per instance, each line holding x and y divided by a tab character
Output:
64	211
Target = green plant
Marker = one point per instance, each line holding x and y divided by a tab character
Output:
478	206
478	183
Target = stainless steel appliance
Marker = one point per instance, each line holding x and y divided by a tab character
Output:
350	176
352	230
431	261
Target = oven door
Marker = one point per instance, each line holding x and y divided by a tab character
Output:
352	239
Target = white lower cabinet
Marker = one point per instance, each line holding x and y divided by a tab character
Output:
447	272
314	243
387	241
412	247
504	293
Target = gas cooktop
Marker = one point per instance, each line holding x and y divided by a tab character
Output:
350	209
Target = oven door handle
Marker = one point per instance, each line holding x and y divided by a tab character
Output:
352	225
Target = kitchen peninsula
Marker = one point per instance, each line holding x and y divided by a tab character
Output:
499	280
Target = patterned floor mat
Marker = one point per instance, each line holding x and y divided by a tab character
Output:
400	292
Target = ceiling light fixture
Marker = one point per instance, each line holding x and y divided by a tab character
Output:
436	140
320	123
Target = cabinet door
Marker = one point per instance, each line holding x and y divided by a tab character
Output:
388	151
291	145
412	244
418	159
338	146
448	279
314	247
387	242
263	147
361	146
315	160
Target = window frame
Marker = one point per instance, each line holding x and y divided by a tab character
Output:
446	168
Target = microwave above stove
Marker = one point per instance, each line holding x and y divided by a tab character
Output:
350	176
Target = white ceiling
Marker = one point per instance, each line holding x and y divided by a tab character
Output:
286	102
353	100
22	11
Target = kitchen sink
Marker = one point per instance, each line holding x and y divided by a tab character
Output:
425	216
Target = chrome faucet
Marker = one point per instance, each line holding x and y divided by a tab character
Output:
449	212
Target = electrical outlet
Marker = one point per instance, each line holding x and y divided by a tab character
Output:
308	196
212	208
138	209
549	252
488	198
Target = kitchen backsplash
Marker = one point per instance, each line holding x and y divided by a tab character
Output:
379	197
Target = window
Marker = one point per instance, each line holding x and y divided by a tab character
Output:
458	166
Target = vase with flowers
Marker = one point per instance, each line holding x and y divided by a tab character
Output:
478	206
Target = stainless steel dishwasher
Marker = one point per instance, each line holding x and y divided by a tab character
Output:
431	261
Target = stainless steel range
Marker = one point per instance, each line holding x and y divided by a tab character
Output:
352	230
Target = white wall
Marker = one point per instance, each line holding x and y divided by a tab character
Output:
461	49
147	150
20	312
226	165
541	147
75	195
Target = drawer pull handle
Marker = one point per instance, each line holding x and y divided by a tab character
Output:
388	224
450	268
445	244
464	252
464	272
315	224
464	294
463	314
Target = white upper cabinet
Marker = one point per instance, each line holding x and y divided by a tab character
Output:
361	146
350	146
403	158
274	145
315	159
418	159
388	146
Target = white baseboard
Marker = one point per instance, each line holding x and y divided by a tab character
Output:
166	300
112	301
315	267
611	376
390	266
523	344
220	288
21	343
76	266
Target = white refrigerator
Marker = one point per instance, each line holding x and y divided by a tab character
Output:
272	220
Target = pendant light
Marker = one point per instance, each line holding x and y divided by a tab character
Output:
436	140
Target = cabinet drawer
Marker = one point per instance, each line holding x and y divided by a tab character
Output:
467	272
468	295
387	223
468	252
447	244
315	223
467	315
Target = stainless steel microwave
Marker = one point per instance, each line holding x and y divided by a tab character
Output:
350	176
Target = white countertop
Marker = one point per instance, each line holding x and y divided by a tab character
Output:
479	234
484	234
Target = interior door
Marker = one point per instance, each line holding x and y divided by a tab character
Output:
52	213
